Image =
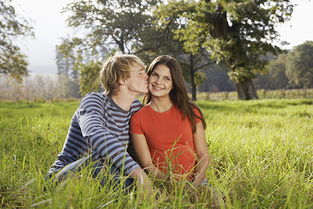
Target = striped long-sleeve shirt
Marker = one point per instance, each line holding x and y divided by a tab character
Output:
100	127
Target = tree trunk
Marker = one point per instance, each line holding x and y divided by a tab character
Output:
192	80
246	90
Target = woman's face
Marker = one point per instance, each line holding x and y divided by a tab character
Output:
160	81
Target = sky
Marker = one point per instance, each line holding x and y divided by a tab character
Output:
50	26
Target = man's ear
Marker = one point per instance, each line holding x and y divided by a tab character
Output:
122	82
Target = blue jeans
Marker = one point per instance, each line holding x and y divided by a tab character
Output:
97	167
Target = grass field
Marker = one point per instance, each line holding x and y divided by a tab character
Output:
261	153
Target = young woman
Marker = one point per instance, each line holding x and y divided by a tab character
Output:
168	132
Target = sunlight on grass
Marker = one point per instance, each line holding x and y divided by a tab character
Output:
261	158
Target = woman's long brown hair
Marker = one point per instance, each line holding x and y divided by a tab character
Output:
178	94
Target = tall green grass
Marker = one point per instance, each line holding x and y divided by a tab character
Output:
261	158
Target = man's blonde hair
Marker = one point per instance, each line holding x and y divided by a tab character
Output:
115	68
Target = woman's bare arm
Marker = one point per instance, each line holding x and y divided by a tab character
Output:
144	156
202	154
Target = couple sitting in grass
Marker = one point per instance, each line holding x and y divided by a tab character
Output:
164	138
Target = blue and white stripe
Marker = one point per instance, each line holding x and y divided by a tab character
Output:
99	127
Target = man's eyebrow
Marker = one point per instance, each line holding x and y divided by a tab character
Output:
137	70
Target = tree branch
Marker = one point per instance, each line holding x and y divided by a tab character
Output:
201	66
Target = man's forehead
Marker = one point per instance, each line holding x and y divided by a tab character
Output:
135	68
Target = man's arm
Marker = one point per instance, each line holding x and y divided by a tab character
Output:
91	122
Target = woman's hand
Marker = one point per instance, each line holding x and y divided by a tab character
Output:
144	185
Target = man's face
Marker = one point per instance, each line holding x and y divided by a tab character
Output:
138	80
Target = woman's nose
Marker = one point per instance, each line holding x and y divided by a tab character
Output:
158	80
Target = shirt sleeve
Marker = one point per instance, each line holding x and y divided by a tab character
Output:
92	123
135	125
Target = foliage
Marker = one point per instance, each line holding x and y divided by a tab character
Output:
108	27
216	80
67	56
72	55
199	77
194	65
89	77
12	61
275	77
193	56
119	23
300	65
129	27
158	41
261	155
237	33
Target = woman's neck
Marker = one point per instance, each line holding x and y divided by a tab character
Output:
161	104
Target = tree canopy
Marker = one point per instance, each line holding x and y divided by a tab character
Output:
275	76
299	65
236	33
118	23
12	61
130	27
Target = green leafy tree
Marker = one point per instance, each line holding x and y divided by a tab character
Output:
117	23
161	41
237	33
89	77
300	65
275	77
192	64
76	60
192	59
12	61
216	80
130	27
109	27
68	57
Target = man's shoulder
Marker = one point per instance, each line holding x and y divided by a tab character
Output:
95	95
93	99
135	106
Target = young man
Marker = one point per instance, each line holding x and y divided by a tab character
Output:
100	125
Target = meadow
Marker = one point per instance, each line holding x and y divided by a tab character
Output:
261	153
